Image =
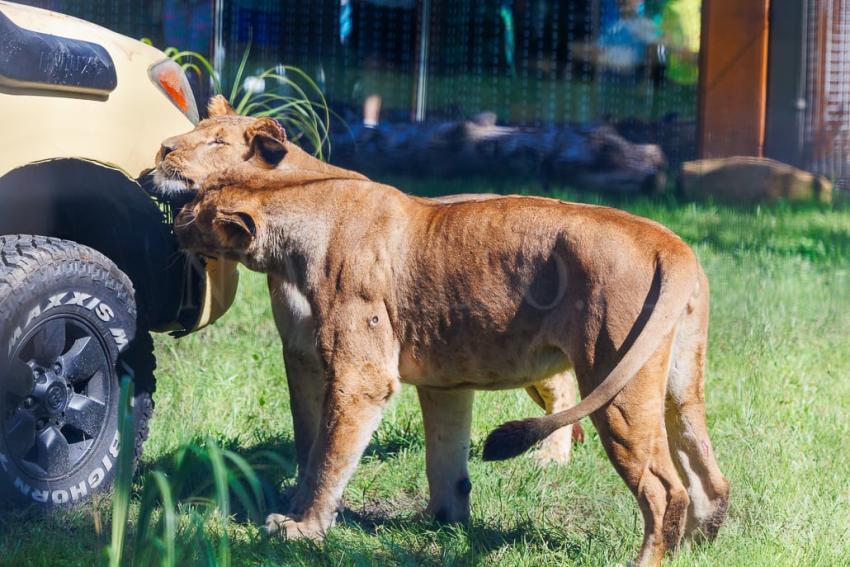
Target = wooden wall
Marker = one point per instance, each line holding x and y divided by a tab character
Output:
733	77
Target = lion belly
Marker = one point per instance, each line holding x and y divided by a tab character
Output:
481	370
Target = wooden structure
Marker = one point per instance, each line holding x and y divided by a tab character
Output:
775	82
733	78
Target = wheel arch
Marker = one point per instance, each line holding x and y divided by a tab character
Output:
99	206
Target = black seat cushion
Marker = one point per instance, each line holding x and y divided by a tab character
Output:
30	59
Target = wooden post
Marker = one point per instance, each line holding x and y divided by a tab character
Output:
733	77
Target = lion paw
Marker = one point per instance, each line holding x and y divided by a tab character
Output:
288	528
449	513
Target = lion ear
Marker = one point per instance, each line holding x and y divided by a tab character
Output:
218	106
266	141
239	227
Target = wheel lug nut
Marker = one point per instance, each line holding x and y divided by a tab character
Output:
57	368
39	376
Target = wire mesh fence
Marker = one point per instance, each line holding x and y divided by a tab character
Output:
632	64
827	108
531	63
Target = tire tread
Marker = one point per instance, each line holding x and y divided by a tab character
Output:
22	258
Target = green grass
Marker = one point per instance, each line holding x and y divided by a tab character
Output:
778	396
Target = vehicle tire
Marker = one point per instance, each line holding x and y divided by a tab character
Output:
68	331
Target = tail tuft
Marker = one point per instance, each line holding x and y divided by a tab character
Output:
513	438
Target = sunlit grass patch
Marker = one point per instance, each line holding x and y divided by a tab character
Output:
778	393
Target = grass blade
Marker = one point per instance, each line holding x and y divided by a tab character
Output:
169	518
254	504
307	101
123	473
237	79
219	470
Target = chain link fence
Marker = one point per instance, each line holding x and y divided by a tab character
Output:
827	111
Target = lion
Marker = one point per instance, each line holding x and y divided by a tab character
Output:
482	294
184	163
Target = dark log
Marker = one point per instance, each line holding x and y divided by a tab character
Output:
585	157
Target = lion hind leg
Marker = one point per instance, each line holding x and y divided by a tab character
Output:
555	394
448	421
633	433
690	444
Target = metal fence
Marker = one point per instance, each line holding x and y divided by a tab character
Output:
827	110
631	63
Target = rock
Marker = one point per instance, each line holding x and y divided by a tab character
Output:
746	180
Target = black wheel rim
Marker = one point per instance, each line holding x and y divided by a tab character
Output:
55	397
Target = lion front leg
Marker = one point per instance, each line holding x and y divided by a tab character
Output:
305	379
353	403
304	373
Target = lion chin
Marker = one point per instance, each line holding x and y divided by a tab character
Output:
170	186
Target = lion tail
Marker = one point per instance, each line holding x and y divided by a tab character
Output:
674	282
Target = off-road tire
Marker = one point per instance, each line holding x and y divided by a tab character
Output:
68	303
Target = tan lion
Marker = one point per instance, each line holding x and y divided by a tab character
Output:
483	294
183	165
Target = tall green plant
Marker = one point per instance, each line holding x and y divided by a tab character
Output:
290	96
176	509
123	474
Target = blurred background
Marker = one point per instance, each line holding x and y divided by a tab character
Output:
611	92
727	107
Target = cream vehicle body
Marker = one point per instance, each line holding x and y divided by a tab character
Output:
88	262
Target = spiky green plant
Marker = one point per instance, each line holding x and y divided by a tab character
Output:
123	474
293	98
177	508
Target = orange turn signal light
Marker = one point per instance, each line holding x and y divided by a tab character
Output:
172	81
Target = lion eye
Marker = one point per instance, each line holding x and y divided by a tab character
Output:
217	141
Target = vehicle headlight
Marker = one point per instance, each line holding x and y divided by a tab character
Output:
172	81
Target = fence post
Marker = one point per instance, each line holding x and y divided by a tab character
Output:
421	93
218	42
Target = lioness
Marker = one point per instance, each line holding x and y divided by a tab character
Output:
488	294
184	163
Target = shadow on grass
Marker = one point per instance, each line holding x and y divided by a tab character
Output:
481	537
274	461
408	539
31	536
376	532
397	529
812	243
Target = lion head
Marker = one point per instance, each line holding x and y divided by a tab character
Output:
226	141
221	141
226	222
